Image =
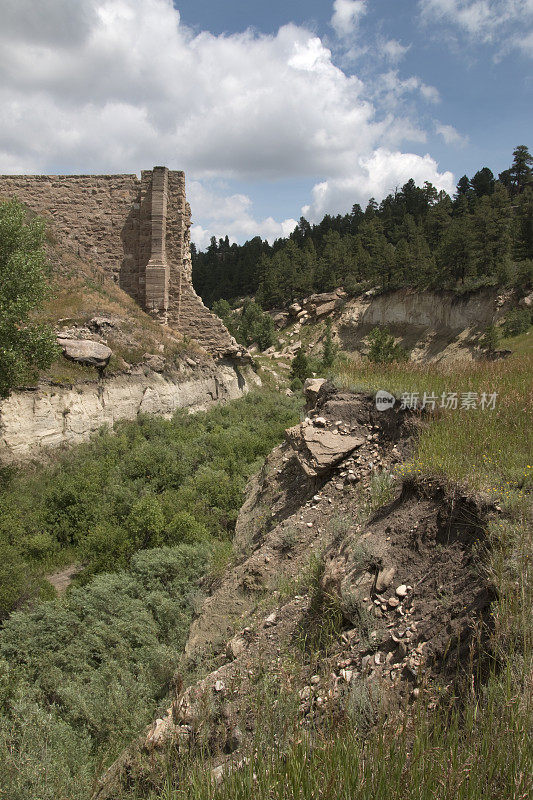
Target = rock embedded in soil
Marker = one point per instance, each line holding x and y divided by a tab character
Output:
320	450
312	387
235	647
384	579
85	351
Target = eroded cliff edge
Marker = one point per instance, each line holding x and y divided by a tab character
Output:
36	420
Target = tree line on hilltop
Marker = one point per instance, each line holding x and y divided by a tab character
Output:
417	237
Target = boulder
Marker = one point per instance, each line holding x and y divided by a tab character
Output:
294	309
312	387
325	308
85	351
102	324
316	300
319	450
280	318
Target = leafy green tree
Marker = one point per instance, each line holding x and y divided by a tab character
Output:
222	309
255	326
25	346
383	348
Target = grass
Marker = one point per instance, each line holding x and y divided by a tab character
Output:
488	450
452	757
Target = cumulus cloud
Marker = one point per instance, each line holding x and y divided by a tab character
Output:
498	22
120	85
450	135
140	87
230	215
346	16
375	176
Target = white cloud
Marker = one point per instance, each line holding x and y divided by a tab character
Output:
501	23
241	105
392	50
375	176
525	43
450	135
346	16
230	215
121	85
391	89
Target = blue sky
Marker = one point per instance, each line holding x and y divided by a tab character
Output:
273	110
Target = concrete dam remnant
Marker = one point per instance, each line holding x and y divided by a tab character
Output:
138	231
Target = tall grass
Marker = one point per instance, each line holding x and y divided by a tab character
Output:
446	757
490	450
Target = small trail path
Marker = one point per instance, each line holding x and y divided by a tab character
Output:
61	580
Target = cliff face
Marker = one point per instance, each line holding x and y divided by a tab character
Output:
33	421
431	325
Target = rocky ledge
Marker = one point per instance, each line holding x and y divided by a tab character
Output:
35	420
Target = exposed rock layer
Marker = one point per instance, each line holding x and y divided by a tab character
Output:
34	420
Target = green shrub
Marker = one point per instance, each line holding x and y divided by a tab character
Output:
81	675
129	490
516	322
329	349
300	367
145	523
13	579
183	527
296	385
383	349
490	338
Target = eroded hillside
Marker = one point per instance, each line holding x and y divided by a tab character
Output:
347	588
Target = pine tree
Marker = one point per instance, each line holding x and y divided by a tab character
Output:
492	235
329	350
483	182
300	366
521	172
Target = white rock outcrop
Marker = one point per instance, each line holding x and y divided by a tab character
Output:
34	420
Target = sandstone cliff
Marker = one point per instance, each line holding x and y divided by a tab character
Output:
35	420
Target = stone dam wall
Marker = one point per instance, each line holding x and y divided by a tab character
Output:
138	231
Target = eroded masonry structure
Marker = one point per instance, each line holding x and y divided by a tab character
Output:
137	230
